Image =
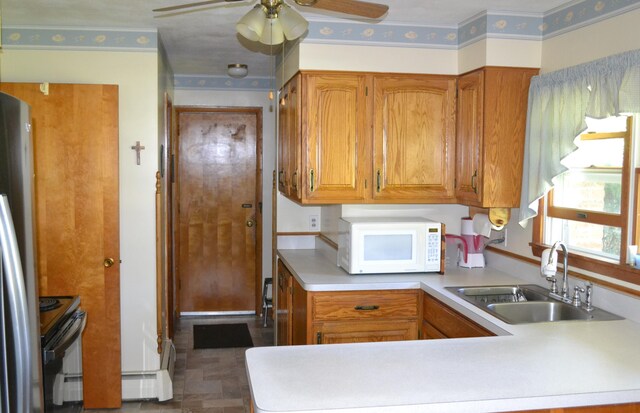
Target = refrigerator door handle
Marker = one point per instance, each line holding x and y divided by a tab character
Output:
17	302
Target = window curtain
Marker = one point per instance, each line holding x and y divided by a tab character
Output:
558	104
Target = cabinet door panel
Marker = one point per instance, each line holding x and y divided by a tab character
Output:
335	126
283	142
283	305
449	322
414	135
365	332
505	115
469	139
292	114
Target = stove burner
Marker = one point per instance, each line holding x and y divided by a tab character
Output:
48	303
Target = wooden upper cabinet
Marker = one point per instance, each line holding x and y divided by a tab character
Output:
414	138
289	140
352	137
469	130
335	137
491	121
283	145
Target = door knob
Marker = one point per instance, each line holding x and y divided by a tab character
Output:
250	223
108	262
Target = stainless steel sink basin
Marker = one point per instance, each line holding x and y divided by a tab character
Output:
501	293
521	304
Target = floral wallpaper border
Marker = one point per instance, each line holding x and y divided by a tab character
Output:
574	15
84	39
221	82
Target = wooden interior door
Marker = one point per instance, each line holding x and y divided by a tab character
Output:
218	210
75	132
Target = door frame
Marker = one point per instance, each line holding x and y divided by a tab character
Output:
174	168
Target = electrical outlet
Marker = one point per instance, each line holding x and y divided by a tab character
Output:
314	223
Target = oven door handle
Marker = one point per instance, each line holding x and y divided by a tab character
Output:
71	333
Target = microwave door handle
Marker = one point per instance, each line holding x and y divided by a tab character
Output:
77	326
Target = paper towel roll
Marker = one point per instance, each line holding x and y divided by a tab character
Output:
482	225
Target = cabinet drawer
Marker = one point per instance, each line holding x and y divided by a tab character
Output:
363	306
449	322
365	332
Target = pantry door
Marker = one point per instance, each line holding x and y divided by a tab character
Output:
219	210
75	133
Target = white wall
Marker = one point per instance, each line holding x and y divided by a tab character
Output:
500	52
217	98
377	59
136	75
606	38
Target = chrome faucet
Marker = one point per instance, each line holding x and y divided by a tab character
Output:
564	291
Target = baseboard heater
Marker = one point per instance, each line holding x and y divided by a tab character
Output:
152	384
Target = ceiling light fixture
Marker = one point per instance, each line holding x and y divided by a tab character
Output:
237	70
271	22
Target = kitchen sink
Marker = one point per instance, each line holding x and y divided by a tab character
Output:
521	304
501	293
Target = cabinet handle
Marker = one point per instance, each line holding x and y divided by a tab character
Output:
311	180
318	338
378	181
473	181
366	307
294	180
280	178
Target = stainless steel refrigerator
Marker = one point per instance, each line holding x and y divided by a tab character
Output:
20	360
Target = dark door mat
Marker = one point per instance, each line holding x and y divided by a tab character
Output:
221	336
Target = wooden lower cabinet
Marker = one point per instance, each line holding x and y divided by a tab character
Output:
319	317
283	289
442	321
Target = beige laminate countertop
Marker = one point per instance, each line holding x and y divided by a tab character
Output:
525	367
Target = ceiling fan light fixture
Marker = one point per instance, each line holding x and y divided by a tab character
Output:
272	33
251	25
237	70
293	24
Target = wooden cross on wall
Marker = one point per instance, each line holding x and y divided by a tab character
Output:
137	147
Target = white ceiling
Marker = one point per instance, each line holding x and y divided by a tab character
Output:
202	41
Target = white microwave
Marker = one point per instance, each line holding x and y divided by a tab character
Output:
390	245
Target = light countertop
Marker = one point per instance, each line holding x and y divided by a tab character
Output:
525	367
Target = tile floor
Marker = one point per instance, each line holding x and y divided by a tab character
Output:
210	380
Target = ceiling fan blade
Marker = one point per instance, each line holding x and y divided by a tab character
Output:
354	7
200	3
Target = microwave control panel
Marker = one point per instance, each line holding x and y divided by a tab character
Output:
433	246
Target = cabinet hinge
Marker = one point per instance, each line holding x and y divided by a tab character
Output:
318	337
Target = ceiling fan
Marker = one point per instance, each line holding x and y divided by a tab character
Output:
271	21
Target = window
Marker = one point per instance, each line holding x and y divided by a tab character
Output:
589	206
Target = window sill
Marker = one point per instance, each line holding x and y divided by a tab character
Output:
618	271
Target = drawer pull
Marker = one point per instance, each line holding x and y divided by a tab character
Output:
366	307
